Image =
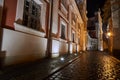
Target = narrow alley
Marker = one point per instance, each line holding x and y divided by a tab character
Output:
59	39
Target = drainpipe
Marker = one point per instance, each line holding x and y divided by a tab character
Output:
49	42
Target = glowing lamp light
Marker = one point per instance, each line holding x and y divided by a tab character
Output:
75	54
109	34
62	59
101	49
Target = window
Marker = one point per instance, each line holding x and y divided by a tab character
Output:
64	2
1	9
78	40
73	37
73	19
79	27
31	15
62	31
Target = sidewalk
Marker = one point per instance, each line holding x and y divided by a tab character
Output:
37	70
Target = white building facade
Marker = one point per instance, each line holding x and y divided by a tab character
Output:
28	25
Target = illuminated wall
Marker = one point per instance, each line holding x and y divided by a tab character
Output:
99	32
19	47
115	8
22	44
66	14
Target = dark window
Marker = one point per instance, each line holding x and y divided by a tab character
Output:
62	31
27	5
79	27
73	37
64	2
33	10
78	40
25	20
73	19
31	15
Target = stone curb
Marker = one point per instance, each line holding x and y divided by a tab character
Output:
60	67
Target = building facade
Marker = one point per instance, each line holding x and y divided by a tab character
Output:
115	16
95	33
99	31
83	11
33	29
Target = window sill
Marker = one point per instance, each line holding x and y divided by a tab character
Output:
62	40
21	28
59	39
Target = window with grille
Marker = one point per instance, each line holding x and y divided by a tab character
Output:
31	15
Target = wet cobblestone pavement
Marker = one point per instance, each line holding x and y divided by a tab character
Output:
90	66
83	66
36	70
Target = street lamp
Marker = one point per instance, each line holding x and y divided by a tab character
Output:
110	41
109	34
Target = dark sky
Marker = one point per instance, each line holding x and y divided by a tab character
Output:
93	6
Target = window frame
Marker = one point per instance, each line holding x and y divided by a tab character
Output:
1	10
33	18
63	8
73	18
62	22
63	2
73	36
19	20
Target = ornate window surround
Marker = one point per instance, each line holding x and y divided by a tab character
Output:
19	18
63	9
73	18
31	14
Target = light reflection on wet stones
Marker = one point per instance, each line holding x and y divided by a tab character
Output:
91	66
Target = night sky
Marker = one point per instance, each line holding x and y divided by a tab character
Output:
93	6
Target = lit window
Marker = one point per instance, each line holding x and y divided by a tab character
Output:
31	15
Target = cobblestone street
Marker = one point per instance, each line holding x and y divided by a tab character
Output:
82	66
90	66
